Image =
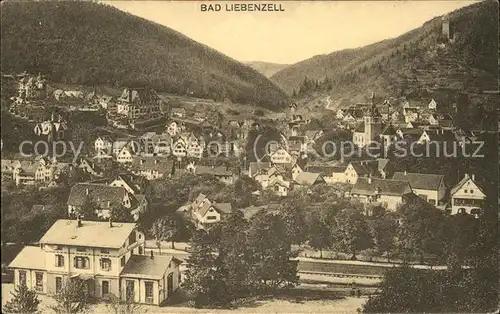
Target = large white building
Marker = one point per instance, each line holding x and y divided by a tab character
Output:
109	257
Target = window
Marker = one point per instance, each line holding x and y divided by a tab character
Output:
59	260
105	264
81	249
58	248
104	251
122	261
81	262
39	281
22	278
211	217
58	284
140	250
149	291
105	287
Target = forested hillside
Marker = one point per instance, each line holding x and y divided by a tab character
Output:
88	43
420	64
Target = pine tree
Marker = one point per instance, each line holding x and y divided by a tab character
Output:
24	301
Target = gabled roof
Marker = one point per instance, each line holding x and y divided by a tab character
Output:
256	166
365	167
440	135
326	170
462	182
214	171
30	257
151	163
423	181
204	207
389	130
308	178
143	266
279	181
90	234
100	194
380	186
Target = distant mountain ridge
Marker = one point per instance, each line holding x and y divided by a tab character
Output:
87	43
266	68
418	65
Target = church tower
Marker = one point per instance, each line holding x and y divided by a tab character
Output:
373	124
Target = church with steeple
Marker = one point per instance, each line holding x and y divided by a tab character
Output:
371	128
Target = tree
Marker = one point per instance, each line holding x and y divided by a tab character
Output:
350	231
421	229
292	213
201	269
165	229
23	300
270	246
121	213
382	229
72	298
319	236
119	306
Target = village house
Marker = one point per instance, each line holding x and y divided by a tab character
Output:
132	183
389	137
103	198
432	105
299	167
109	257
281	156
106	102
444	120
439	137
152	168
222	173
125	155
430	187
178	112
205	212
467	196
307	179
139	103
28	172
278	185
103	145
31	87
331	174
255	168
175	128
155	144
118	144
358	169
384	192
90	167
54	129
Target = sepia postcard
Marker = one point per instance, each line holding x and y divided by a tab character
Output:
250	156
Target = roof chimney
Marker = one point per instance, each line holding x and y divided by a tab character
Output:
369	179
87	191
78	222
405	172
151	251
110	222
473	177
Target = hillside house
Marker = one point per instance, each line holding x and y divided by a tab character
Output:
178	112
132	183
125	155
103	198
175	128
205	212
90	167
31	87
432	105
281	156
279	186
152	168
430	187
387	193
104	255
331	174
103	145
467	196
358	169
139	103
223	174
307	179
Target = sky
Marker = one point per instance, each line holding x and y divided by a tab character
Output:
303	30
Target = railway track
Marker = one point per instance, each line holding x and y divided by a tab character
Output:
339	275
